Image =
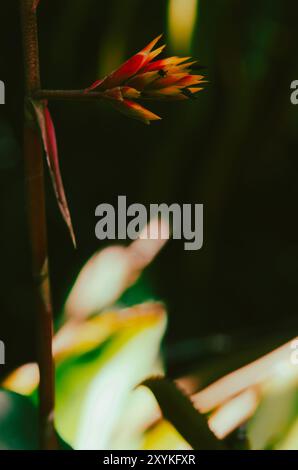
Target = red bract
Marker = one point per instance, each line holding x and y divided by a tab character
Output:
142	77
48	135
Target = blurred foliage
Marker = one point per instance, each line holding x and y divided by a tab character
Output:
18	422
106	378
103	358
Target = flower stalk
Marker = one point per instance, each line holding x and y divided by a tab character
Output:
67	95
140	78
35	195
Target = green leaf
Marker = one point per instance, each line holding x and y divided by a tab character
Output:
62	445
94	389
18	422
274	416
180	412
140	291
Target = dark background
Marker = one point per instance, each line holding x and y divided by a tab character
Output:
234	150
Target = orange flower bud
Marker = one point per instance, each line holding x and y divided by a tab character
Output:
143	77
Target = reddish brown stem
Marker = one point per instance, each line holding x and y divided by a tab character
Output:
67	95
34	184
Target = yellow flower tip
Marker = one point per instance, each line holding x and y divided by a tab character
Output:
156	52
151	45
180	60
152	117
157	118
195	90
190	92
130	93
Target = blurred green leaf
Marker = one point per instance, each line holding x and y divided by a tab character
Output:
141	291
274	417
93	390
18	422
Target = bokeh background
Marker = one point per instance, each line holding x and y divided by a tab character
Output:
234	149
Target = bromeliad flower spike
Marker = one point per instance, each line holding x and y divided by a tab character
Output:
140	78
143	78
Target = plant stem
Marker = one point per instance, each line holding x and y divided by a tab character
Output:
34	185
67	95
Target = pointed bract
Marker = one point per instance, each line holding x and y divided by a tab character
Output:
95	85
135	111
151	45
190	80
143	80
173	93
130	93
155	53
48	135
129	68
164	63
168	80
